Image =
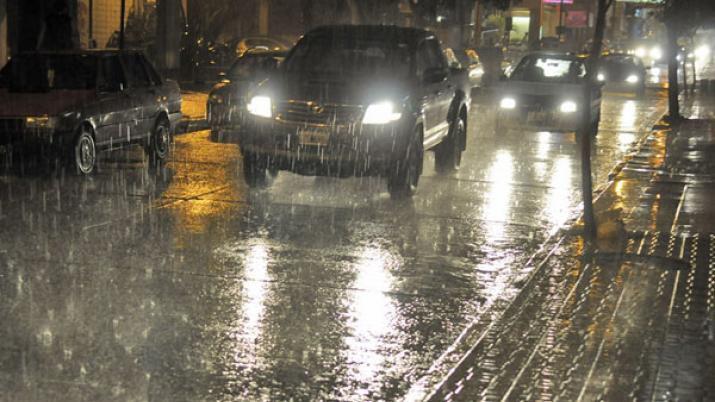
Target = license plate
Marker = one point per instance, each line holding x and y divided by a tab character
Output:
537	117
311	136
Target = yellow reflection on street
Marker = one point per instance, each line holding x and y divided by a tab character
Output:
544	138
499	197
625	140
627	118
372	309
560	193
254	289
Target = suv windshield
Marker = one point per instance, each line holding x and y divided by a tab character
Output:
33	73
251	65
345	55
549	69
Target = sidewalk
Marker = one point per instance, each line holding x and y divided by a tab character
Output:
193	109
632	318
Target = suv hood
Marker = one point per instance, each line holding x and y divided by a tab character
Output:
53	103
333	89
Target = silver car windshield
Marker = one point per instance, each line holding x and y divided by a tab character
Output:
549	69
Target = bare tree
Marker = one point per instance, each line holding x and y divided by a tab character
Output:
587	130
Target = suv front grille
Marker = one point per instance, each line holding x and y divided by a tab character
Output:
315	113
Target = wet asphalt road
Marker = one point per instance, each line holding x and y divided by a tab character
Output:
183	285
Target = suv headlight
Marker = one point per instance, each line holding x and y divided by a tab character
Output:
40	122
260	106
381	113
601	77
568	107
507	103
632	79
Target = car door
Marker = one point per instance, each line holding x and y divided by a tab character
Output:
115	104
142	116
428	90
442	93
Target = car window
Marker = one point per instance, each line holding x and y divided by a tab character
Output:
111	76
137	75
549	69
437	56
349	55
154	77
40	72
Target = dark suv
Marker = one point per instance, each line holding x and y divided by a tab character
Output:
358	101
73	103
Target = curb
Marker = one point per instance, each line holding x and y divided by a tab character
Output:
188	126
419	391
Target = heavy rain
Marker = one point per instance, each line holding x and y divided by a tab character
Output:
353	200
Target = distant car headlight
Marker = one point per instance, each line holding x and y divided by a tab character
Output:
702	52
568	107
40	122
632	79
215	98
641	52
656	53
381	113
260	106
601	77
507	103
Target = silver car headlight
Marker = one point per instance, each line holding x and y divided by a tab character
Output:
260	106
40	122
507	103
568	107
656	53
381	113
632	79
601	77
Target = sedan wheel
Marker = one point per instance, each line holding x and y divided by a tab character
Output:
84	153
159	143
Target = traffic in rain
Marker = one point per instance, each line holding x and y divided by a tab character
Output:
357	200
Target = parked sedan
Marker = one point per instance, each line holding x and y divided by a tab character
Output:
547	91
622	72
227	100
74	103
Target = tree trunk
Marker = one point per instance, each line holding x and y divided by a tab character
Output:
673	89
587	129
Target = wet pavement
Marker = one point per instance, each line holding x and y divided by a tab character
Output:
629	318
183	285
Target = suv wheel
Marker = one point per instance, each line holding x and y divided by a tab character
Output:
405	173
255	171
159	143
83	155
448	155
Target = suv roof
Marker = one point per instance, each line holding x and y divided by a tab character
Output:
373	32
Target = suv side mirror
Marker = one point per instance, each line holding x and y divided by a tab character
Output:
111	87
435	75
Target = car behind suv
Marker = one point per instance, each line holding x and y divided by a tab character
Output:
358	101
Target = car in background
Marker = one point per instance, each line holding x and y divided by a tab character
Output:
226	104
546	92
468	60
621	71
260	43
72	104
358	100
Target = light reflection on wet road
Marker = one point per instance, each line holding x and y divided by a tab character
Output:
184	285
